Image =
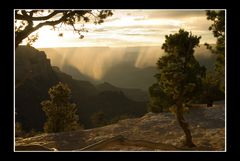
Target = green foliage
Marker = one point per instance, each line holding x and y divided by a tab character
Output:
218	26
180	74
31	39
159	101
173	109
211	89
28	21
98	119
61	114
218	29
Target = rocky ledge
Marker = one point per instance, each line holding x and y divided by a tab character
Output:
152	132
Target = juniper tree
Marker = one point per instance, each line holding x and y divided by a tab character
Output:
218	30
179	76
61	114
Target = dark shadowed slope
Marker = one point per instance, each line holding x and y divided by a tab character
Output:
132	93
35	75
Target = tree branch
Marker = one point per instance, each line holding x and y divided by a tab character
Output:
42	18
68	17
25	33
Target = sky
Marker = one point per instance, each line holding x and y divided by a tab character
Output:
131	28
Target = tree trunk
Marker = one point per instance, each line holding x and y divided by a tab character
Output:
184	125
20	36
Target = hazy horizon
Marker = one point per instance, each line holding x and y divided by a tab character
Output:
97	62
200	44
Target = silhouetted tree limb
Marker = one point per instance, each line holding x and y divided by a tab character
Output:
40	18
28	21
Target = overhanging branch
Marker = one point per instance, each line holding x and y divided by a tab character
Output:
42	18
